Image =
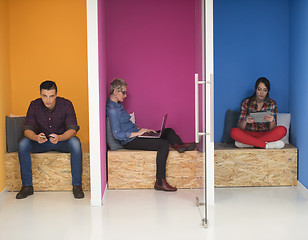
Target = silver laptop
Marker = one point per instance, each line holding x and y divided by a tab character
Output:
153	134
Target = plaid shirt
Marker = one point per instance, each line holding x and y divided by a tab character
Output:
269	105
58	120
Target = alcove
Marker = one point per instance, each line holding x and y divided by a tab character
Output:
156	46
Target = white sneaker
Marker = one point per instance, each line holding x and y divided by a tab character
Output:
277	144
242	145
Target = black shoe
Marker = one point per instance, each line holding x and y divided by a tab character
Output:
25	192
77	191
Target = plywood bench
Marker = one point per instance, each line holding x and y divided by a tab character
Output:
135	169
51	171
254	166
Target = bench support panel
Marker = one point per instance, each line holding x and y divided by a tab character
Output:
132	169
51	171
236	167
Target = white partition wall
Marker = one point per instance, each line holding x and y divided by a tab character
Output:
94	100
209	101
204	115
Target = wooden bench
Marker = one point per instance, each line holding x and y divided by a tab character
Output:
255	167
134	169
51	171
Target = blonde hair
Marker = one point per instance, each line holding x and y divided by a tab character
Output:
117	84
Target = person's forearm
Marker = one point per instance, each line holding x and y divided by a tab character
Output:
242	124
31	135
134	134
67	135
272	125
140	132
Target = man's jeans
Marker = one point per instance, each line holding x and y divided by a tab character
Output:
71	145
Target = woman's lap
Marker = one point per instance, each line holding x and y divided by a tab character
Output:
149	144
258	139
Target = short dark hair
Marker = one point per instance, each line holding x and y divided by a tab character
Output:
117	84
48	85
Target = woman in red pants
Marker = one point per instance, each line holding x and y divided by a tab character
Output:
259	134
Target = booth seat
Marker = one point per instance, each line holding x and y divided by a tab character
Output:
51	170
239	167
236	167
135	169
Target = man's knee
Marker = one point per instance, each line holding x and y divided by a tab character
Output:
24	144
74	144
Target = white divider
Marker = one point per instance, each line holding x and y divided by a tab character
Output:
94	111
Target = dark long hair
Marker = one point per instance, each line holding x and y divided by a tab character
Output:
266	82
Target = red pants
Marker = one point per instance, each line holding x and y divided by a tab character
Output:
258	139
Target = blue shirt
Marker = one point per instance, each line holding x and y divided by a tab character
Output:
121	125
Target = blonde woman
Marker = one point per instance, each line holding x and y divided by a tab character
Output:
127	133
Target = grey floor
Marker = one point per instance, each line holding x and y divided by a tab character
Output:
239	213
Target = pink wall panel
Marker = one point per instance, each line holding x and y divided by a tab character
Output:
151	44
198	54
198	37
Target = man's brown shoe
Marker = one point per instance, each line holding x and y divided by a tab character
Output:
164	186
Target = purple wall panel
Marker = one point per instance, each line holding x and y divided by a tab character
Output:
198	54
151	44
156	46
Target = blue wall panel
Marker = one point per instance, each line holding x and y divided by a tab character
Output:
299	84
251	39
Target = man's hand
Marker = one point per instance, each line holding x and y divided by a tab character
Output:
53	138
41	138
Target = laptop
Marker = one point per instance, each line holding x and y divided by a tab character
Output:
157	134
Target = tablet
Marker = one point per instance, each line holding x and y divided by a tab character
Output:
259	116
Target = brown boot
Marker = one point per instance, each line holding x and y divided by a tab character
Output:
164	187
184	147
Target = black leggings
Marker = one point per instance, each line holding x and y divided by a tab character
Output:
161	145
